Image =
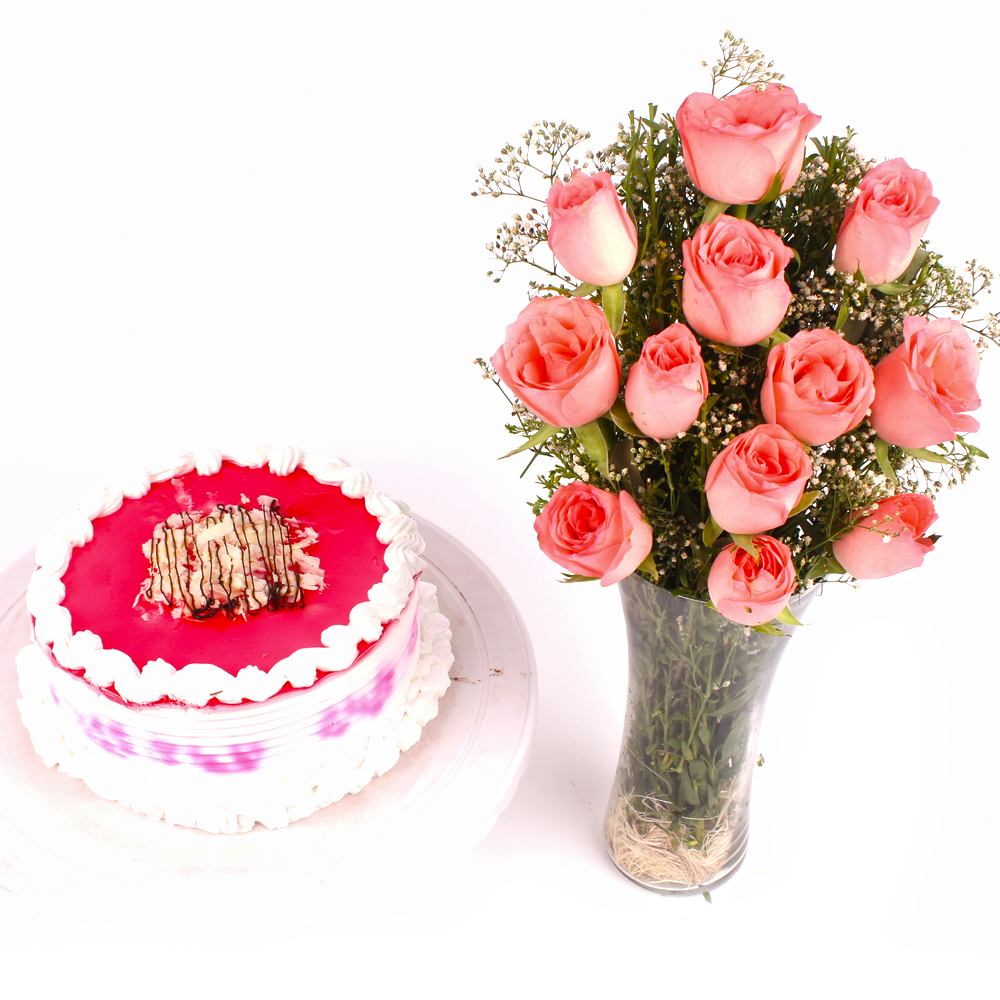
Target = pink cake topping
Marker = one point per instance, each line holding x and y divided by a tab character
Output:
104	576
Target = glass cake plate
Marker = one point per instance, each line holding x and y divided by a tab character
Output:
446	791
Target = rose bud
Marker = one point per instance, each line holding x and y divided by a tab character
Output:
924	386
882	228
755	481
560	360
889	540
590	233
592	532
734	146
752	591
668	384
817	386
734	289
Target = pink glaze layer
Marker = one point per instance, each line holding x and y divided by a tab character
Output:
104	576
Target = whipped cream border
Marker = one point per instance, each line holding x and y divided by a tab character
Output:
199	683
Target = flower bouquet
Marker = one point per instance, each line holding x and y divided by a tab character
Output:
746	373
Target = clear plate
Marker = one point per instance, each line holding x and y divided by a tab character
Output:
447	790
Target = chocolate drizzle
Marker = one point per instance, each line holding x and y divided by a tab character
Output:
233	560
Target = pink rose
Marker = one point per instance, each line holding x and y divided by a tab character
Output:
734	288
594	533
752	591
590	232
890	539
817	386
560	360
925	384
733	147
668	384
755	481
881	230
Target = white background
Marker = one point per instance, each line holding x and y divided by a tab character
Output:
252	220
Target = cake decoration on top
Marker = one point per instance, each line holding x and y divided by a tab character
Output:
232	559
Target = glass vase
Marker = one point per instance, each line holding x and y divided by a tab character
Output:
678	818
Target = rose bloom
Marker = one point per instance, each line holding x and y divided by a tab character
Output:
755	481
734	289
924	386
594	533
734	146
817	386
590	233
890	539
752	591
668	384
881	230
559	358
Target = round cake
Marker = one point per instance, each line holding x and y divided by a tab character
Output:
232	639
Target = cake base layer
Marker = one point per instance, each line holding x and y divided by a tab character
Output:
297	774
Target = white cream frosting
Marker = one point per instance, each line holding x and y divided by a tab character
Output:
304	773
198	683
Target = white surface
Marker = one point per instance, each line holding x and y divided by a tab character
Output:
58	838
229	177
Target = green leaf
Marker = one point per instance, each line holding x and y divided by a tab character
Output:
713	209
745	542
648	565
920	258
970	448
882	455
807	499
706	407
613	304
738	701
895	288
824	565
575	578
592	438
786	617
689	794
707	896
620	415
732	748
855	330
584	289
773	191
776	338
845	311
768	629
536	439
711	532
923	455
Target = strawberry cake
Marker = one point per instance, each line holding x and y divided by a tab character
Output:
232	639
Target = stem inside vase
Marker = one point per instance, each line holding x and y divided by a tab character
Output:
678	816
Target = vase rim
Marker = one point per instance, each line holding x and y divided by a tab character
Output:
812	591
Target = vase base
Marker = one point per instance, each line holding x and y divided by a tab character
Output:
665	888
645	853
